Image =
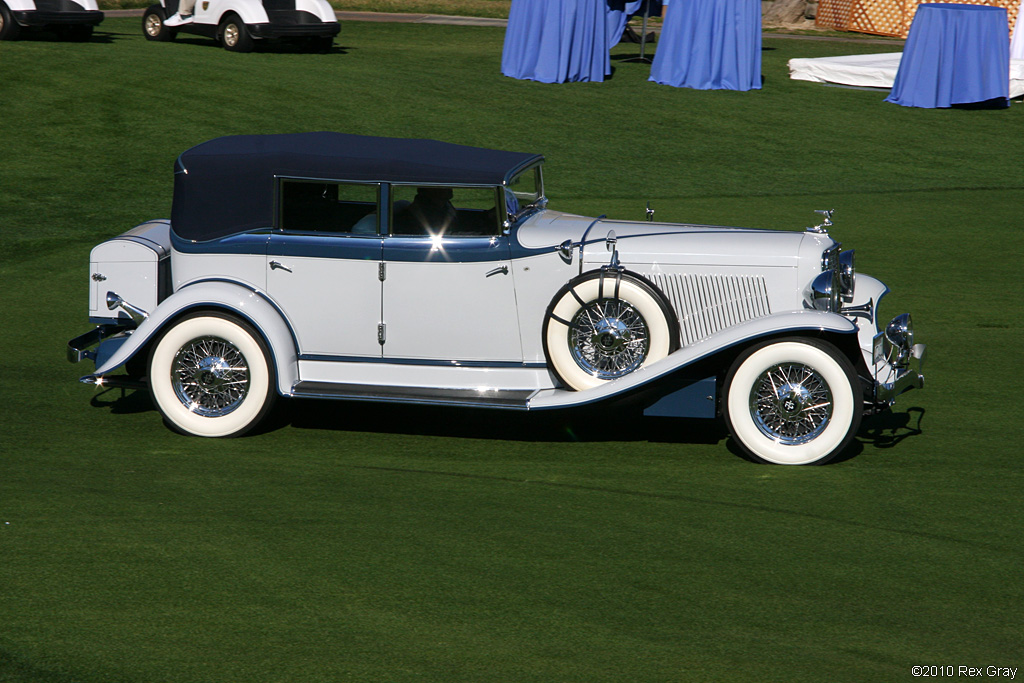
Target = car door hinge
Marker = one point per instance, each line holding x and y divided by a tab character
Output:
382	333
382	272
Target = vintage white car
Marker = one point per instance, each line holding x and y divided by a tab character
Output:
70	19
239	24
379	269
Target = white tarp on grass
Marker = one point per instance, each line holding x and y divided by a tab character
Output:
873	71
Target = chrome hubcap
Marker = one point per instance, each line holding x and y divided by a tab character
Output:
153	25
791	403
609	338
230	35
210	376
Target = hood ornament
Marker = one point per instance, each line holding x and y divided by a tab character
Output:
822	228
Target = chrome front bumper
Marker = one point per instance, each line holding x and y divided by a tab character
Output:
907	378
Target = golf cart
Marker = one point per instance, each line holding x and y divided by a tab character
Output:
238	24
72	20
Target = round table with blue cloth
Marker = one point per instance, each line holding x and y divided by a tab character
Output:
954	55
557	41
710	45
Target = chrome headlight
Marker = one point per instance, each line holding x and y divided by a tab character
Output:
825	291
899	340
847	275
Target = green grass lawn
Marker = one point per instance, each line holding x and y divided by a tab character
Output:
374	543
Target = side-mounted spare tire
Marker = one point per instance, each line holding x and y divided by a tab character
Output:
605	324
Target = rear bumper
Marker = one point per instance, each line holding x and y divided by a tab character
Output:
295	30
52	18
81	347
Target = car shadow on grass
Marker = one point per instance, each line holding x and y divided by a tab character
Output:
45	35
881	431
284	46
888	429
591	425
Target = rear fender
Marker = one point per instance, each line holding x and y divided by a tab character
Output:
230	297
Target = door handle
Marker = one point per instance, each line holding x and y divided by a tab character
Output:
277	265
503	271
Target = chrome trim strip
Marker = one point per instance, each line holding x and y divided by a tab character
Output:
422	361
475	398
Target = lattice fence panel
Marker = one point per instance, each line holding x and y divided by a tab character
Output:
889	17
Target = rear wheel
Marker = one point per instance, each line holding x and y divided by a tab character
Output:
793	401
234	36
9	28
153	26
210	374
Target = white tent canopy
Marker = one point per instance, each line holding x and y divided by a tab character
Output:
873	71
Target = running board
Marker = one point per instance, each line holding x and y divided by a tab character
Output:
475	398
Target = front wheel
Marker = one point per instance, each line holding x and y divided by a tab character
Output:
793	401
234	36
210	374
604	325
153	26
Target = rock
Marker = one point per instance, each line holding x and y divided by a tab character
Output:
784	12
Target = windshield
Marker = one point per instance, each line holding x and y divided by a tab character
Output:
524	191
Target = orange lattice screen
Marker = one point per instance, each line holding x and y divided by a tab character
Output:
888	17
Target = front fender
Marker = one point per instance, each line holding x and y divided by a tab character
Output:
738	335
249	12
226	296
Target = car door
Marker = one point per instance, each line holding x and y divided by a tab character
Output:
323	267
449	294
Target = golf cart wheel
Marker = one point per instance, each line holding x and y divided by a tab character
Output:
9	28
234	36
153	26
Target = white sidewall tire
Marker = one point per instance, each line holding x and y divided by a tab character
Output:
557	333
845	404
258	399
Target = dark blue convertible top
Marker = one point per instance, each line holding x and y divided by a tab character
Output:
227	185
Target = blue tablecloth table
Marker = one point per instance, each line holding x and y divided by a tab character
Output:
710	45
954	54
557	41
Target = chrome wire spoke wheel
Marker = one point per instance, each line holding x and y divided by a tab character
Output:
601	326
609	338
791	403
210	376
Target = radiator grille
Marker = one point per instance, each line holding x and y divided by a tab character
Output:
706	304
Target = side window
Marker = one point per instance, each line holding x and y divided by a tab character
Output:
328	207
435	210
